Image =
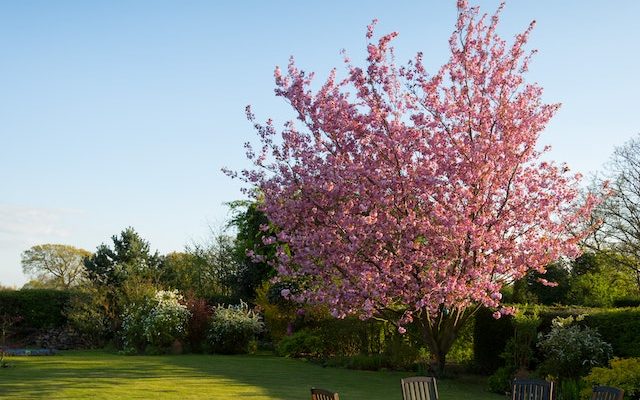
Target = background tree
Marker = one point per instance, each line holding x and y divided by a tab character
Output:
54	265
251	251
415	196
208	268
531	289
178	272
123	275
214	265
130	256
598	281
619	234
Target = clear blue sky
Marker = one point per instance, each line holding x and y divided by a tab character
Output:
121	113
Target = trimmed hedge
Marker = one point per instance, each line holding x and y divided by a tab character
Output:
627	302
620	327
39	309
490	336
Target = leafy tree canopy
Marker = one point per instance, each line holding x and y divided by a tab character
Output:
54	265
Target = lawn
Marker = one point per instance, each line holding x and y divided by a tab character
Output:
100	375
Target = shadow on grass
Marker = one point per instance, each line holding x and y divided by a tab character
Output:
98	375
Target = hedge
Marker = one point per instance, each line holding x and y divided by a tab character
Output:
490	335
39	309
620	327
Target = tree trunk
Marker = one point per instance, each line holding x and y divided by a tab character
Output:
440	332
440	359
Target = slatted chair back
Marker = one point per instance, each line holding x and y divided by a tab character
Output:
607	393
321	394
419	388
532	389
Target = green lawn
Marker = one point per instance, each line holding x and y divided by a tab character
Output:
99	375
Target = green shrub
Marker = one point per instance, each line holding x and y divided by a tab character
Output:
626	302
518	352
571	350
462	350
363	362
500	381
233	328
301	344
569	389
366	362
87	317
623	373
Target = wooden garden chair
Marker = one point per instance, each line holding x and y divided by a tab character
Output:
607	393
321	394
419	388
532	389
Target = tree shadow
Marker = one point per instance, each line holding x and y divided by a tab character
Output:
98	375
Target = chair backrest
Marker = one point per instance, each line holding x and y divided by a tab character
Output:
532	389
321	394
419	388
607	393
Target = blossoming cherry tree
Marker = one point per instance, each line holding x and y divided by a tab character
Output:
416	196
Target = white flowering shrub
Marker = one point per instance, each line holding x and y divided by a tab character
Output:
132	328
233	328
158	320
166	320
571	350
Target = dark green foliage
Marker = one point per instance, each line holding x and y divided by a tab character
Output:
500	381
356	344
130	256
39	309
489	340
217	299
620	327
595	279
519	350
518	354
363	362
303	343
599	280
530	290
252	226
274	294
626	302
178	272
209	268
569	389
122	274
87	317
